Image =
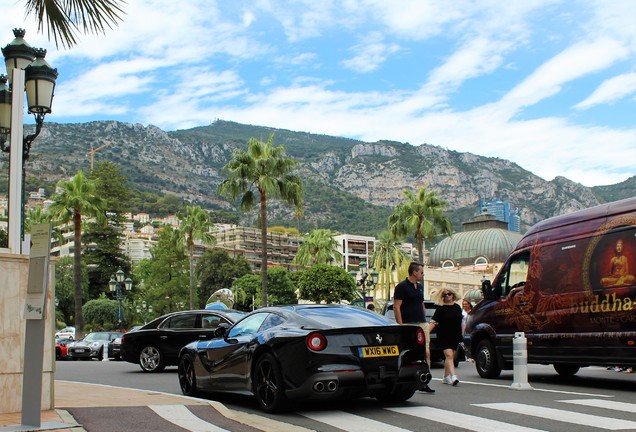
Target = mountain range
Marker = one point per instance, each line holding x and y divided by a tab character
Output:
350	186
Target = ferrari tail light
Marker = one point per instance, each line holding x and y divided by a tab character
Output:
316	342
420	336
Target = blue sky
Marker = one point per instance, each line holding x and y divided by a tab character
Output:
550	85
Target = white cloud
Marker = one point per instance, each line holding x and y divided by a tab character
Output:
610	90
574	62
370	54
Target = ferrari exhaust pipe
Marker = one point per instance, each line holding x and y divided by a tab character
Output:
319	386
332	386
425	377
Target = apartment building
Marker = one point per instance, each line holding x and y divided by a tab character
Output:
246	242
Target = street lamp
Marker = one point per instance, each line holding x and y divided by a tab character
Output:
367	281
26	69
117	284
144	310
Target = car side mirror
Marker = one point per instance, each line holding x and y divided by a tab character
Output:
486	289
221	329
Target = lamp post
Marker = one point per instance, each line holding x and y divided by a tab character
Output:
144	310
117	284
26	69
367	281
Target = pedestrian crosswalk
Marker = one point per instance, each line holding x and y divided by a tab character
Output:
464	421
482	423
181	416
577	418
581	415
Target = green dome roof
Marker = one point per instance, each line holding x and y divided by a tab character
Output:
494	244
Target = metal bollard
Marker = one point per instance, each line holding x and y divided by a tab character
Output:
105	352
520	362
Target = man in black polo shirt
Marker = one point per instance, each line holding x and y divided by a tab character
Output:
408	304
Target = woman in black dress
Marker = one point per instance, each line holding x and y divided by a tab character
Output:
447	320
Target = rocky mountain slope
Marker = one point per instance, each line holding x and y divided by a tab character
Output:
350	185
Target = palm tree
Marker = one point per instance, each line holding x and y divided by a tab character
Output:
262	170
388	256
63	19
77	198
195	225
420	215
318	247
36	215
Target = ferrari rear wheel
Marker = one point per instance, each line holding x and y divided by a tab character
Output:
399	394
268	384
151	359
187	376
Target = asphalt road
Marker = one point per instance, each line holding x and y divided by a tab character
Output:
592	400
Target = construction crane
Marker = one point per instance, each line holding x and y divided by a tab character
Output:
92	151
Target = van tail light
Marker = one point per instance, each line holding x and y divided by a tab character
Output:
316	342
420	336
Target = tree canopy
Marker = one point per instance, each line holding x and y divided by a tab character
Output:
165	276
64	19
215	270
318	247
420	215
328	284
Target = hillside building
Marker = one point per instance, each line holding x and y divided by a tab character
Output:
246	242
354	249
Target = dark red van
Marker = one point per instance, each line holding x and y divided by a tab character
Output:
570	285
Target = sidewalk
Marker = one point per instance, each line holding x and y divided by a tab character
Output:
81	395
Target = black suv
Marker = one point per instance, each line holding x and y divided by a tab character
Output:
436	353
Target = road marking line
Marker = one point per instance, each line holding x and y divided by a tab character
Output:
469	422
507	386
258	422
562	415
183	417
600	403
350	422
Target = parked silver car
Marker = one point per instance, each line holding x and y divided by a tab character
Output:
91	346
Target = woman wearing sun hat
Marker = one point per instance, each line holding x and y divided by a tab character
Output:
447	319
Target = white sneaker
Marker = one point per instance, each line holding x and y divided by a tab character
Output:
454	380
447	380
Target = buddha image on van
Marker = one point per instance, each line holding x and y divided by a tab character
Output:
614	260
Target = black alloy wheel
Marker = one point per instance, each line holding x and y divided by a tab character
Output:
187	376
268	384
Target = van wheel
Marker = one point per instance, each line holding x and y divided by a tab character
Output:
566	369
486	360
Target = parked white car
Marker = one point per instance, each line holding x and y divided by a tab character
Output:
66	333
